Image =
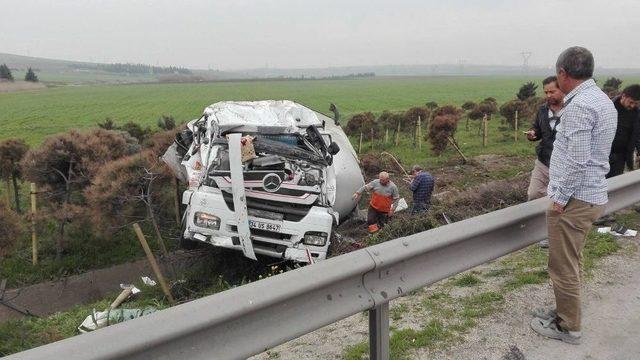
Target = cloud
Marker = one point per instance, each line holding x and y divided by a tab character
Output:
287	33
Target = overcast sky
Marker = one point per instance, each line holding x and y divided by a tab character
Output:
236	34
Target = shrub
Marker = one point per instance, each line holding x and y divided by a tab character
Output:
166	122
390	120
65	164
526	91
468	105
11	153
443	126
11	226
362	123
136	131
431	105
404	225
107	124
160	141
411	115
485	198
612	86
525	110
125	190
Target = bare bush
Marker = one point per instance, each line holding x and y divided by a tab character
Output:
525	110
485	198
11	226
612	87
126	190
11	153
468	105
443	126
362	123
66	163
411	115
390	120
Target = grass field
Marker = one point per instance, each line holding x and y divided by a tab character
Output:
33	115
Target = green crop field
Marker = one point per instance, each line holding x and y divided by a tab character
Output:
33	115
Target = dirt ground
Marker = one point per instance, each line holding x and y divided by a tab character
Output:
7	86
53	296
452	180
611	321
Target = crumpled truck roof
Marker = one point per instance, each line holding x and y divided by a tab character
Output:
281	113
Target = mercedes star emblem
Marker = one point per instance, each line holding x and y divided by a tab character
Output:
271	182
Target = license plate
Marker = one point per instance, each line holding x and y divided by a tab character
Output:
264	226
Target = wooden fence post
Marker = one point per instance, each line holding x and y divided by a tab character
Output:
34	239
371	138
397	139
386	136
360	144
419	133
515	133
8	194
153	263
485	130
176	200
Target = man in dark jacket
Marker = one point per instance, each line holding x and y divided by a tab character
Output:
627	137
421	185
544	129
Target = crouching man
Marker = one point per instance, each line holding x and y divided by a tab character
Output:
384	199
421	185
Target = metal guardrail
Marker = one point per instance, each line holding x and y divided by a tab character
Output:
250	319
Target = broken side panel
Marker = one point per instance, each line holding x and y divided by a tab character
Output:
239	197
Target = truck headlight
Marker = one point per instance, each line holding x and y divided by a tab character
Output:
315	238
205	220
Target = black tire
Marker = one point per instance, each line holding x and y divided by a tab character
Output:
334	239
187	244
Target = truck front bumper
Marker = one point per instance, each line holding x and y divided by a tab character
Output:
287	243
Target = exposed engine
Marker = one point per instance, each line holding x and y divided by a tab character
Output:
282	165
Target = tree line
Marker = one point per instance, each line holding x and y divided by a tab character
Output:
5	73
441	122
133	68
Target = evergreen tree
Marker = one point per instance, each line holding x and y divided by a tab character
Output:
30	76
166	122
612	83
5	72
526	91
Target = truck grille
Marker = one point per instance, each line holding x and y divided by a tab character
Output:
290	212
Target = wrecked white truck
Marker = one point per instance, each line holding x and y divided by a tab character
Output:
265	177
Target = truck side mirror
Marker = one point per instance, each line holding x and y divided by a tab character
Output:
333	148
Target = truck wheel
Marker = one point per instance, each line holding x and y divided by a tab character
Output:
187	244
333	242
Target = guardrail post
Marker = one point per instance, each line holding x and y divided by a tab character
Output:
379	332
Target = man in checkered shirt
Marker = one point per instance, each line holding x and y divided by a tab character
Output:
577	188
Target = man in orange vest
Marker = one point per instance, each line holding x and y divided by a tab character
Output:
383	200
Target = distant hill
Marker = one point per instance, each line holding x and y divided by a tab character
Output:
78	72
421	70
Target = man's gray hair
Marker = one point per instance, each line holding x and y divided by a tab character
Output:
416	168
577	62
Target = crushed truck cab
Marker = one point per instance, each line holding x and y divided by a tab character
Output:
267	177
